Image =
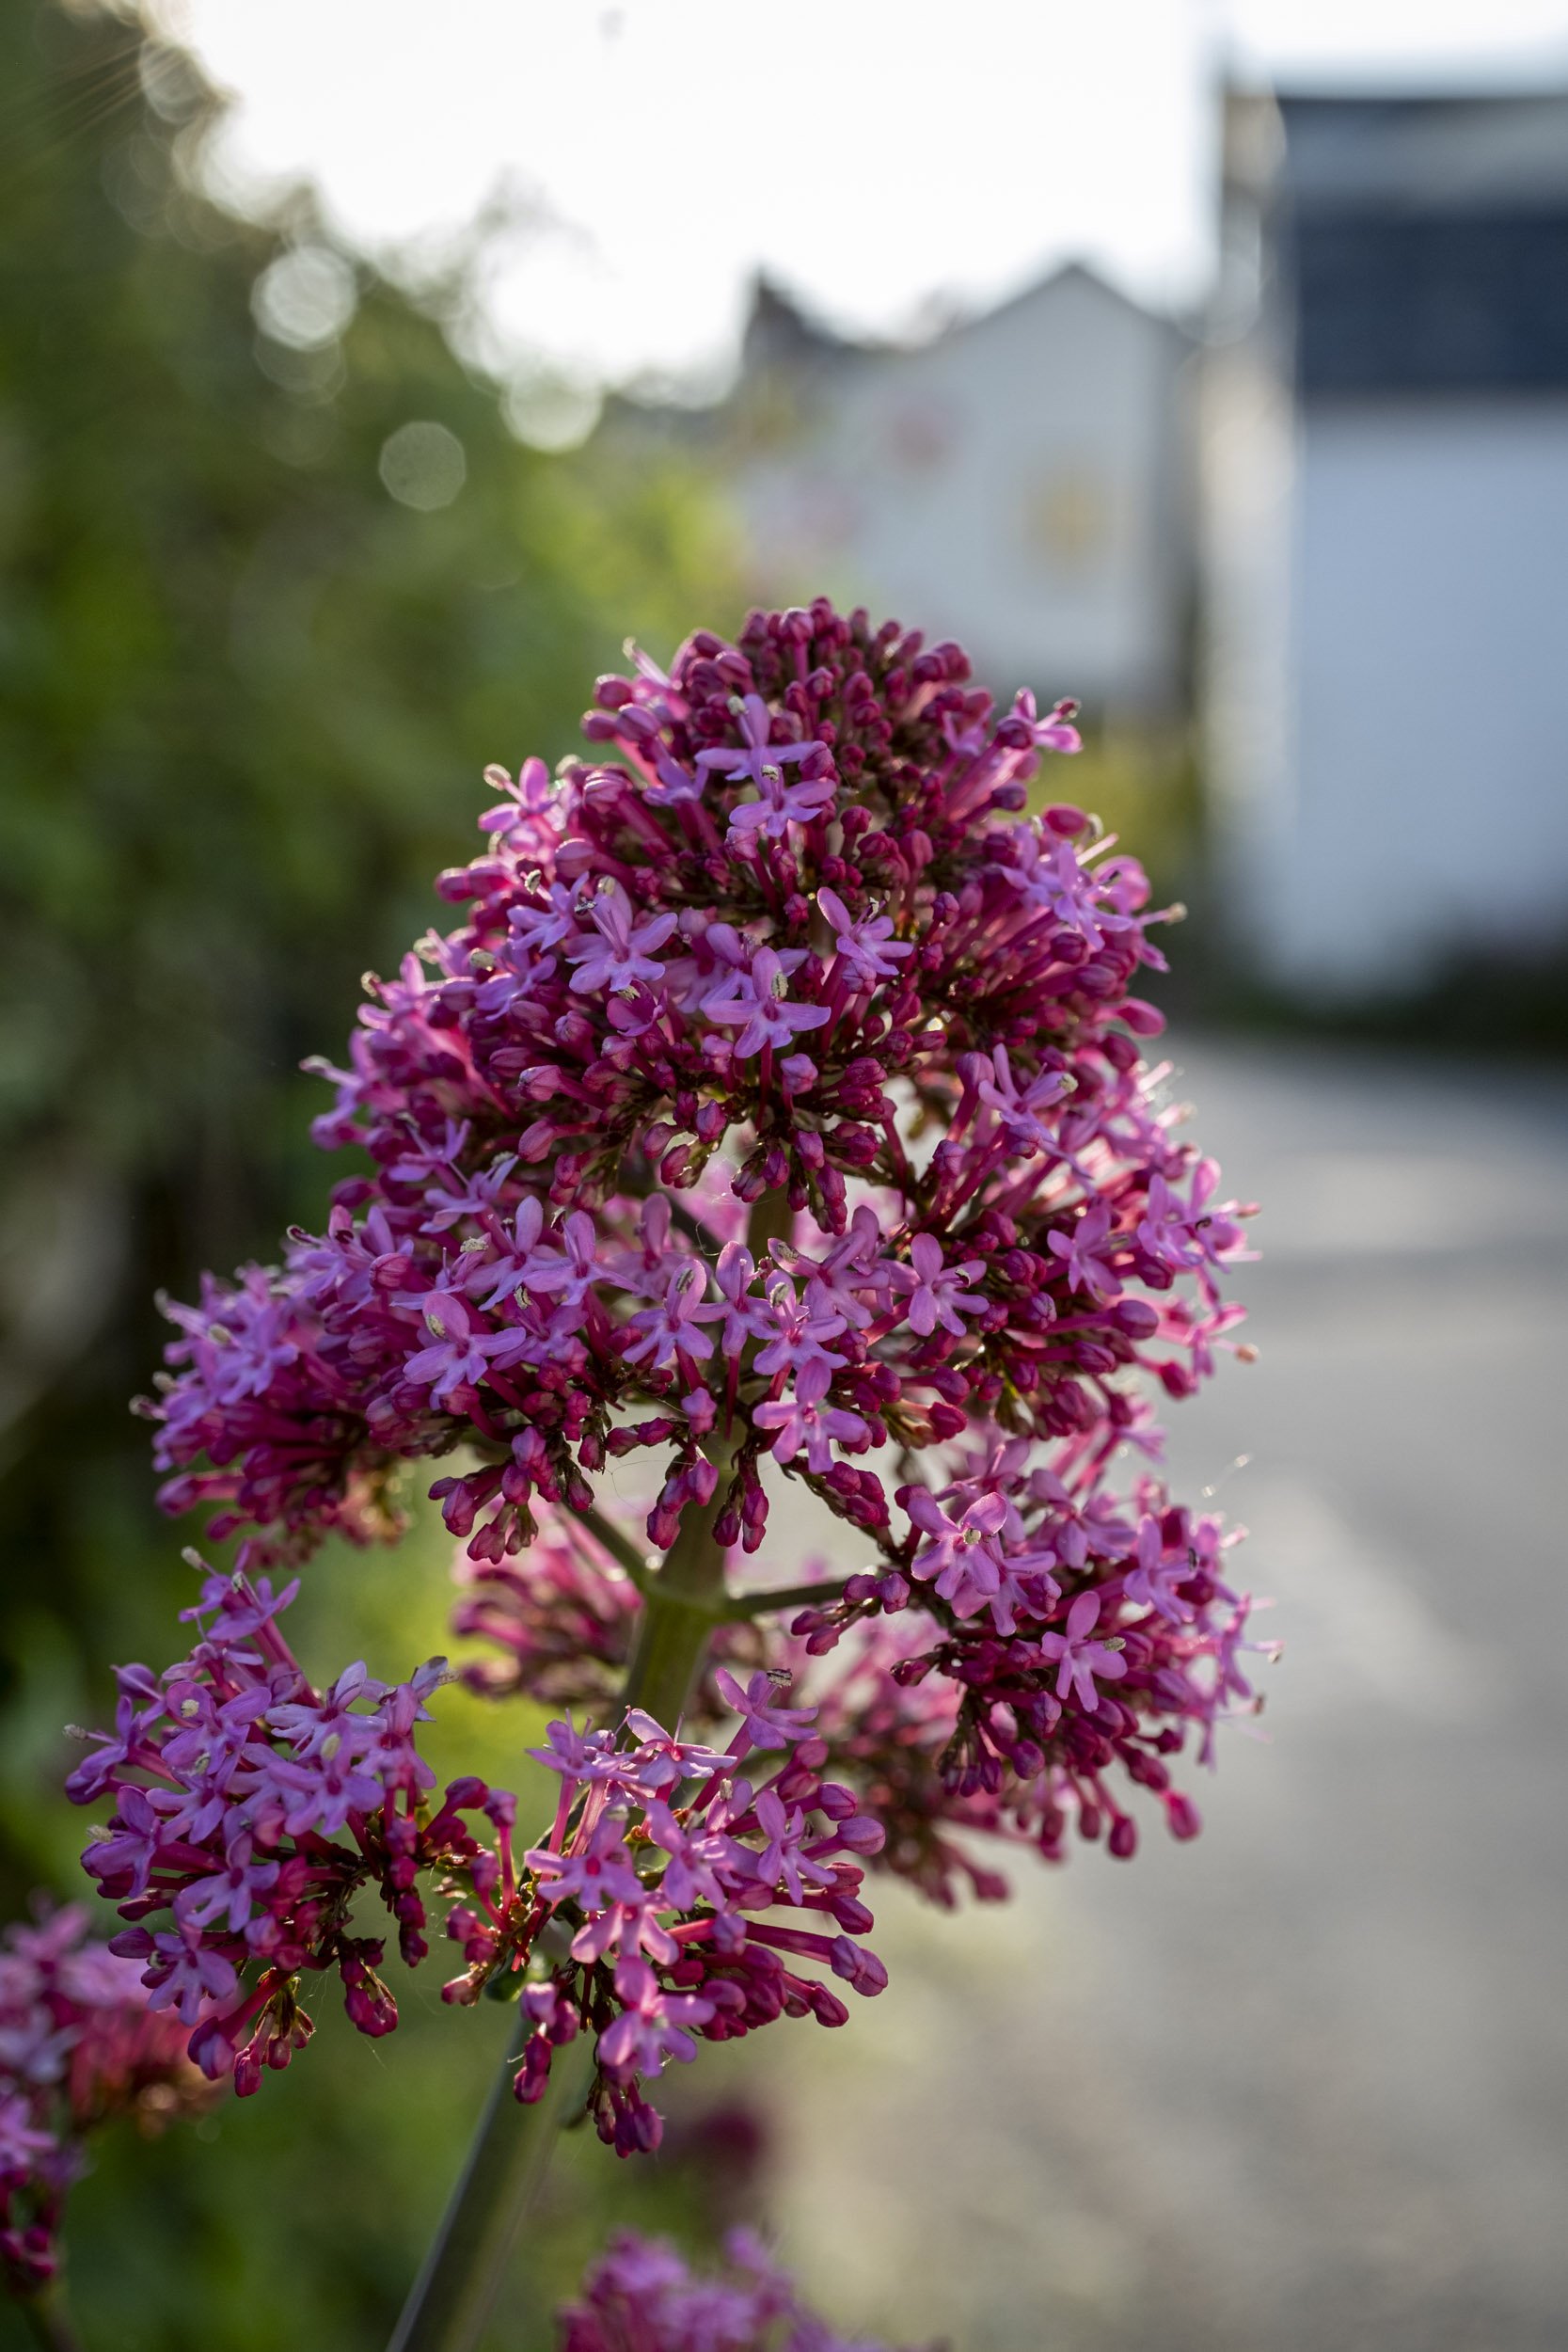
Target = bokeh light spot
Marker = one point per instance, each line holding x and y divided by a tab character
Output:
551	412
423	465
306	298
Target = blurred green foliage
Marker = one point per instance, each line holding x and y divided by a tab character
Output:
246	694
1141	781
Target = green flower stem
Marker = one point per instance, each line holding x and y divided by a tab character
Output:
771	1219
786	1596
620	1547
681	1606
453	2297
49	2320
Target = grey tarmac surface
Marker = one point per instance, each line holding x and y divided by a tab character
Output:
1303	2084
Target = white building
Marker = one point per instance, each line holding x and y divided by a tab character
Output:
1017	483
1385	500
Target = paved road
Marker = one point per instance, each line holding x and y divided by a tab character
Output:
1304	2084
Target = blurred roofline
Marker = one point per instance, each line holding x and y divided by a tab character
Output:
1468	87
774	309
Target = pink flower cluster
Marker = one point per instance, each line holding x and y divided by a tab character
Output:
640	2296
660	1860
1060	1640
774	1114
250	1810
79	2041
790	945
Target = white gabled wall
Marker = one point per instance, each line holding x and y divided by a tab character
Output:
1421	804
1248	466
1016	484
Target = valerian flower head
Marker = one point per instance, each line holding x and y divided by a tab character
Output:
774	1112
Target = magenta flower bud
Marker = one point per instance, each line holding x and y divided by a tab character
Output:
1135	1316
859	1968
529	2083
702	1479
1182	1815
861	1835
212	2048
464	1793
371	2010
827	2008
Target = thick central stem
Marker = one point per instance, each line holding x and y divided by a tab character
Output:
452	2298
680	1610
678	1617
509	2155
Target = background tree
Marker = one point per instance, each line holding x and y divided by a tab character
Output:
276	581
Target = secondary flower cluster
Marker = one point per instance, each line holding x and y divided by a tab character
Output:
660	1859
79	2041
1029	1638
640	2296
1070	1638
250	1810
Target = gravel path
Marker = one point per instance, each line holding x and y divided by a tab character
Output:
1304	2084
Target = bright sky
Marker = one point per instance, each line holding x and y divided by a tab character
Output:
880	159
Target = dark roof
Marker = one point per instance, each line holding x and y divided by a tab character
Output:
1425	242
1445	304
781	332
